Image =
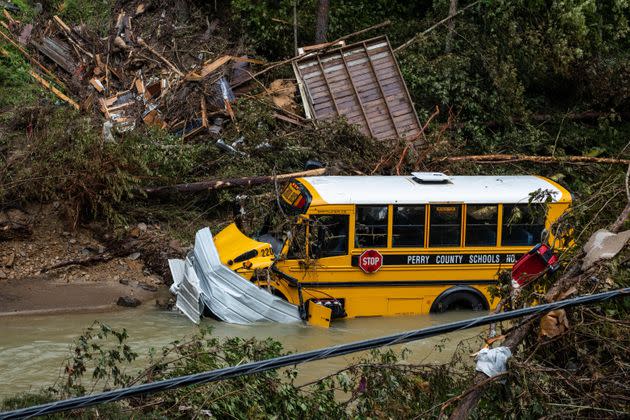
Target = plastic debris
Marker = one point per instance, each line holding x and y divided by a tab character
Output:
603	245
493	362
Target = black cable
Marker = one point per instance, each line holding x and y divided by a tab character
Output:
299	358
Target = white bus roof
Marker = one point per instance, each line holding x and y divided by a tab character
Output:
407	190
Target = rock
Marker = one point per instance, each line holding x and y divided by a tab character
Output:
165	303
3	275
142	227
128	301
73	241
124	281
135	232
148	287
101	249
134	256
8	260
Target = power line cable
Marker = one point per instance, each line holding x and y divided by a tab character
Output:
299	358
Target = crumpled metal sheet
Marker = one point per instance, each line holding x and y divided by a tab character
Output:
603	245
493	362
186	288
229	296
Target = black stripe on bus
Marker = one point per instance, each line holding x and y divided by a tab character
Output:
484	258
396	283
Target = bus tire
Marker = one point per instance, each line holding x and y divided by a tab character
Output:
460	297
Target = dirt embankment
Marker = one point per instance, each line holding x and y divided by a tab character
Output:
54	269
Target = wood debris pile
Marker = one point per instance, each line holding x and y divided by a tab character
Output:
147	69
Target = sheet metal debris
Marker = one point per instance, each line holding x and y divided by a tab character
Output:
202	280
361	82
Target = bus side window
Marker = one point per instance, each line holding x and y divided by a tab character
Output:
328	235
446	225
371	227
481	225
522	224
408	228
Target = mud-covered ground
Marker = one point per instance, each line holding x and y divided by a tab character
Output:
29	283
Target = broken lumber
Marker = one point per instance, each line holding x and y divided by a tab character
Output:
287	119
229	183
58	52
210	67
31	59
536	159
53	89
160	56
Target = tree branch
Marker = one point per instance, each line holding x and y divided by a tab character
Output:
536	159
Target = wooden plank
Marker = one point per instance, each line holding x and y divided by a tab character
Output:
385	132
308	99
371	95
327	114
328	86
208	68
347	101
363	83
96	83
325	98
32	60
389	111
53	89
56	52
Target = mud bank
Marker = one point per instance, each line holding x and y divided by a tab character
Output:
34	279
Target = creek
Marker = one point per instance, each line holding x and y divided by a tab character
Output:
33	348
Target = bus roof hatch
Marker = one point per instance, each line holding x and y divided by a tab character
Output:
430	177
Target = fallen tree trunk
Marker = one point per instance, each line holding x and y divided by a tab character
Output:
536	159
229	183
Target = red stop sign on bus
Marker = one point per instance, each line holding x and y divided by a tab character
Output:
370	260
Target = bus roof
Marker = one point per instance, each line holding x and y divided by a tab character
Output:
407	190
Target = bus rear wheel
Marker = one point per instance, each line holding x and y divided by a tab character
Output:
459	297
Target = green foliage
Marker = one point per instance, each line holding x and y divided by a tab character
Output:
62	156
268	26
16	85
103	352
95	14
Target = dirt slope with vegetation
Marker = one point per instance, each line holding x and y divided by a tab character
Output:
517	78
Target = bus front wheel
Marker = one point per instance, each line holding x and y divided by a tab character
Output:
459	297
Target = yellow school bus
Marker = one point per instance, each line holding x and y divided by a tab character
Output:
397	245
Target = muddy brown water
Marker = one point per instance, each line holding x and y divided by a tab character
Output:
33	348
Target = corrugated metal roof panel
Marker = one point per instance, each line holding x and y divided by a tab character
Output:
361	82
